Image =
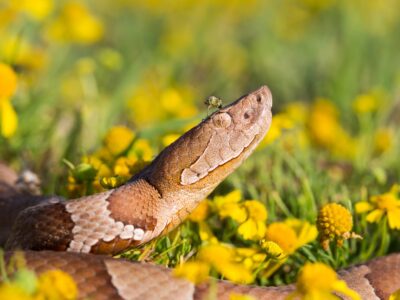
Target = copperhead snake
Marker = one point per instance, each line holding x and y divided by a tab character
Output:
150	204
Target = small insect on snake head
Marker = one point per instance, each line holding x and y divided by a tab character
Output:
213	102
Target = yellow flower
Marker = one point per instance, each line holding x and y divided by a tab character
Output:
280	123
325	130
8	116
8	119
141	150
250	257
13	291
76	24
317	281
229	206
395	295
383	140
56	284
200	213
118	139
153	103
334	222
254	227
272	249
387	204
195	271
111	182
123	166
222	258
38	9
8	81
366	103
291	234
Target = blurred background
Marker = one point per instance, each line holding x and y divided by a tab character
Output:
85	66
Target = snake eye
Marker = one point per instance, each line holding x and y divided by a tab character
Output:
222	120
246	115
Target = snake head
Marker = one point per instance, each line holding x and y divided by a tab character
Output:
202	157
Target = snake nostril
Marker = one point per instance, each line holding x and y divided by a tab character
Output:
259	98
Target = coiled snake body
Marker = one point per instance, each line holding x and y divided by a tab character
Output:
152	203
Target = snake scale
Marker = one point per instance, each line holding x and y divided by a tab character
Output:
65	234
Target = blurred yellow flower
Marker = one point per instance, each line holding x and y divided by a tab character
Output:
272	249
118	139
334	222
280	123
326	131
75	23
152	103
229	206
291	234
222	258
195	271
8	81
383	140
254	227
111	182
56	284
123	166
141	150
387	204
365	103
8	116
200	213
395	295
13	291
317	281
38	9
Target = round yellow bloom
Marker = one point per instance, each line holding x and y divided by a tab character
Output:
334	222
8	81
13	291
291	234
56	284
118	139
366	103
318	281
283	235
195	271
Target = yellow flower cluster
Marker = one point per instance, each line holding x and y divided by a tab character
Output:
385	206
121	156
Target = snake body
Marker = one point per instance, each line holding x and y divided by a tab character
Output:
154	202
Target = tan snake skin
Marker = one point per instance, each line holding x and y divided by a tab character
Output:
152	203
